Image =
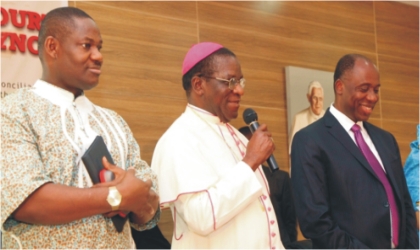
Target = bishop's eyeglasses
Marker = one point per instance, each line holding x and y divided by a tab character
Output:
231	83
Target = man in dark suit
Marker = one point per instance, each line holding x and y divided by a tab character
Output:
342	200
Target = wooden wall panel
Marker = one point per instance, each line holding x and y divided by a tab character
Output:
274	24
397	14
145	43
175	10
260	45
263	86
397	40
404	132
397	111
397	30
399	79
142	27
353	16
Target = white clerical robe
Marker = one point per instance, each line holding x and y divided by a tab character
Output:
216	200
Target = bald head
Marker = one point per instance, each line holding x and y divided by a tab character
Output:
346	63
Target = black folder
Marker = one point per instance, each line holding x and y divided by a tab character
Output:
92	159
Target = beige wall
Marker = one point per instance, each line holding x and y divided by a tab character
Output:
145	42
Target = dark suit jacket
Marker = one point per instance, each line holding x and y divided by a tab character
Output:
340	203
281	198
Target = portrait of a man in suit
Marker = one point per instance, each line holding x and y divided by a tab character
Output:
347	176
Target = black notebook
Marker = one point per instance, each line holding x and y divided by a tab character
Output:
92	159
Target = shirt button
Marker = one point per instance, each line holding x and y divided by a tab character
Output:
272	222
269	209
273	235
273	247
264	197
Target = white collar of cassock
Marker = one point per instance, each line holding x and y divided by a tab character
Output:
204	114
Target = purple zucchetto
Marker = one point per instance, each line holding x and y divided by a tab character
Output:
197	53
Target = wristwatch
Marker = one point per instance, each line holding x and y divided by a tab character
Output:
114	198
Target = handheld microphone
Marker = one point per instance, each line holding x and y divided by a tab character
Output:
251	119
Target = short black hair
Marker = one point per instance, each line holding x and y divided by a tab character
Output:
58	23
204	67
346	63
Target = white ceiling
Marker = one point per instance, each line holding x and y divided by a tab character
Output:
414	3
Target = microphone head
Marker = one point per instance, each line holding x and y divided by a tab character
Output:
249	116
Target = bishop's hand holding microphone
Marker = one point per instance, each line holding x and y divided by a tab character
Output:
261	145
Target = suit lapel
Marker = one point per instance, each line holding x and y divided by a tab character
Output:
337	131
381	147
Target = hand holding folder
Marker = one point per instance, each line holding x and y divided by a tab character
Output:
92	159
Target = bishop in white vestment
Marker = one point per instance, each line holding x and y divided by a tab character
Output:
217	200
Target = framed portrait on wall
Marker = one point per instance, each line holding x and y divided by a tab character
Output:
309	93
